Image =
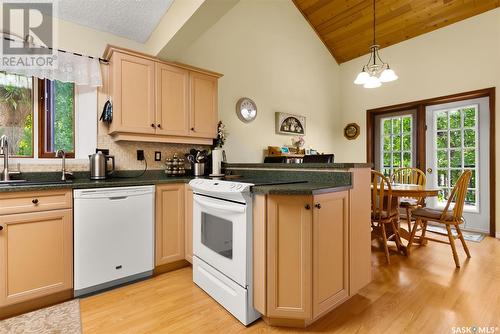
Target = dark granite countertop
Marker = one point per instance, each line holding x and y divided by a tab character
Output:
308	188
345	165
315	182
82	181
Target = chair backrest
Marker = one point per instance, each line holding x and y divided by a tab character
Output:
381	194
275	160
408	175
318	158
457	196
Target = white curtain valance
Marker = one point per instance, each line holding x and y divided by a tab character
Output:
81	70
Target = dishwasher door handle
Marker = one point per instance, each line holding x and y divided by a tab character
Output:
117	198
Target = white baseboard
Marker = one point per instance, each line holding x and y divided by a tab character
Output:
497	235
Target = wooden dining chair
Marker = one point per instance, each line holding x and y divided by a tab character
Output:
409	175
448	217
384	212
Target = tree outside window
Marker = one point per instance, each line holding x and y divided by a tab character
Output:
55	116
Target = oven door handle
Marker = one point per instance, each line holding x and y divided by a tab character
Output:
240	209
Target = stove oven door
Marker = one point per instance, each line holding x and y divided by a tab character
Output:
219	236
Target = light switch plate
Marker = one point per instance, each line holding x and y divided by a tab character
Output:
157	156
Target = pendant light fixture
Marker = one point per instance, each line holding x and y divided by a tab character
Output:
375	72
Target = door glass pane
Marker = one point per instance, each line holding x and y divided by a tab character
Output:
456	150
217	234
396	148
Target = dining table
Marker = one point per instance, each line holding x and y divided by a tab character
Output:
411	191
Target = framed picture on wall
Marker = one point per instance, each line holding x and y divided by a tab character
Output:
289	124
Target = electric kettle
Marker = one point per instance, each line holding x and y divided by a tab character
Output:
98	165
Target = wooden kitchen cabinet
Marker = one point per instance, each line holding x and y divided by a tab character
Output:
169	226
36	250
289	257
330	251
133	94
301	256
172	100
203	105
159	101
188	230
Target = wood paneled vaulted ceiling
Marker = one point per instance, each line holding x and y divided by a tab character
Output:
346	26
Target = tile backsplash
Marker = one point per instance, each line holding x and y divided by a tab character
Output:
125	152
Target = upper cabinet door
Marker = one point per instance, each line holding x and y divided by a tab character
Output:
203	105
172	100
133	82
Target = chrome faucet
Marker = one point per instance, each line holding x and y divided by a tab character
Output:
63	155
4	150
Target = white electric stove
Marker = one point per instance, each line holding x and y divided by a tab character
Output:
222	244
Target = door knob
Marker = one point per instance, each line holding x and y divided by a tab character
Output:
159	125
318	205
192	129
308	207
1	227
429	170
152	125
34	201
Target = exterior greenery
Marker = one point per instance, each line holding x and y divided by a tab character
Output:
63	117
16	114
456	143
397	143
16	120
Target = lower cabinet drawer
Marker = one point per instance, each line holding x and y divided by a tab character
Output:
34	201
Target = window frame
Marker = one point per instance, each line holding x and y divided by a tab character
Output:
42	123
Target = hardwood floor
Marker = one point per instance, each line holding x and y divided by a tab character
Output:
420	294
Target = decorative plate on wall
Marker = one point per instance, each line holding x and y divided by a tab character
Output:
351	131
246	109
289	124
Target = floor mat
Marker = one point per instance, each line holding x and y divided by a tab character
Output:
60	318
469	236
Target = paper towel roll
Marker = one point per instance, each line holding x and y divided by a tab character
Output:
216	160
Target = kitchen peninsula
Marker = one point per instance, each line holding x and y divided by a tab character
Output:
311	240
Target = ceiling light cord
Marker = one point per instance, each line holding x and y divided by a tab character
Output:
376	71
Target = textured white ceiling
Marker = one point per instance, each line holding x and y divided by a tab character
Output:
133	19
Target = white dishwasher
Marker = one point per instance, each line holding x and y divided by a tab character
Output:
113	236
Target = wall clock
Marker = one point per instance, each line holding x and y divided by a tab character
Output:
351	131
246	109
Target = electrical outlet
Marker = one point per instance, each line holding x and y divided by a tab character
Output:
157	156
140	155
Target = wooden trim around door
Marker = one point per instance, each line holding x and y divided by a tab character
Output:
420	105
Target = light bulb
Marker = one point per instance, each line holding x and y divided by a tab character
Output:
362	78
372	82
388	75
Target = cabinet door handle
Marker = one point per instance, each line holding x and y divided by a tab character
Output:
318	205
1	227
307	207
159	125
192	129
152	125
34	201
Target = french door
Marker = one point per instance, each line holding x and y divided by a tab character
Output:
395	143
457	139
